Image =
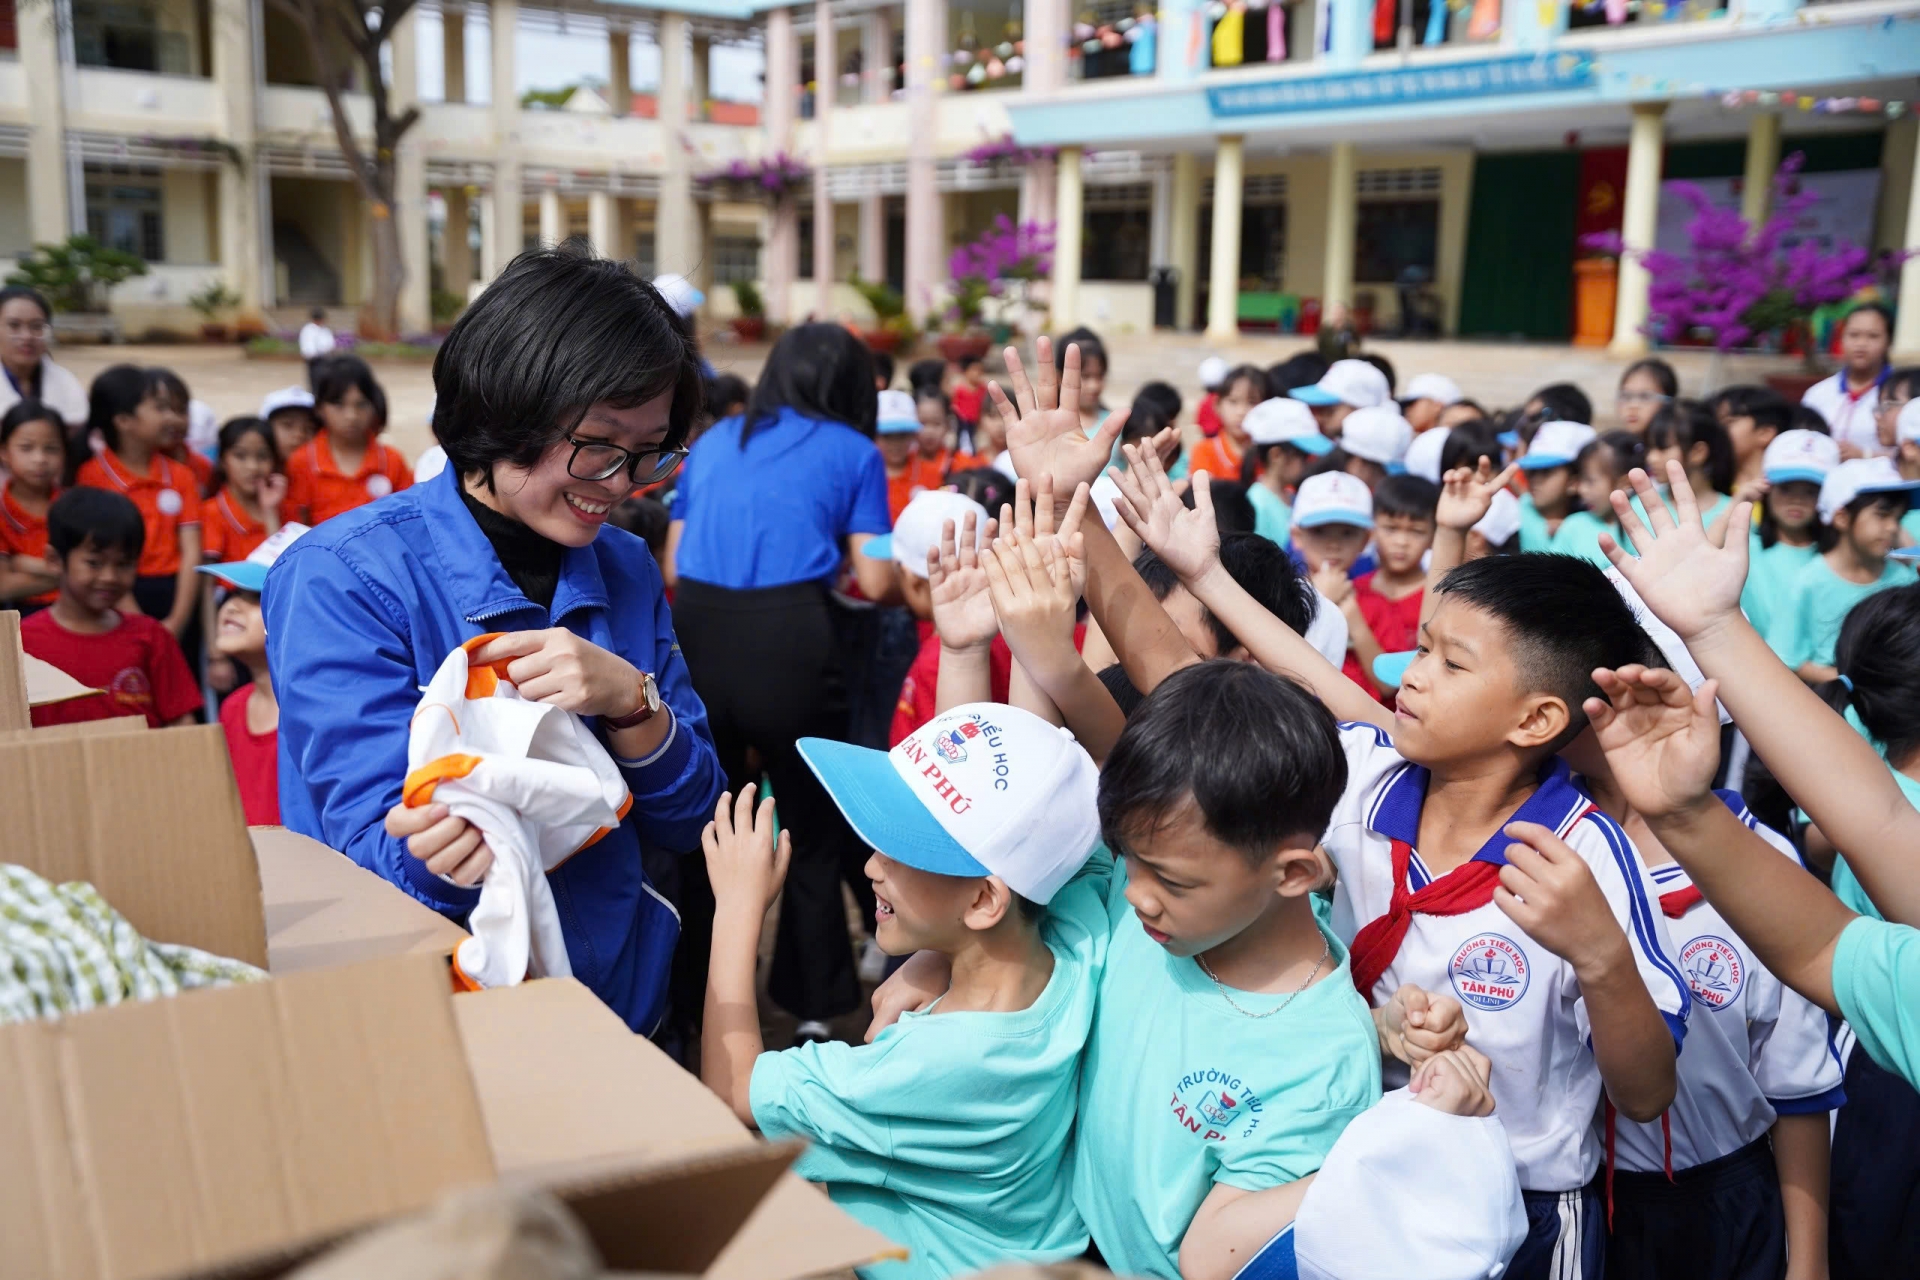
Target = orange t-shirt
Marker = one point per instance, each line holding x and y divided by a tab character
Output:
1217	457
202	469
23	534
918	475
318	490
229	533
168	496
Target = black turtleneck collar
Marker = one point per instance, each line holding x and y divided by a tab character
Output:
530	559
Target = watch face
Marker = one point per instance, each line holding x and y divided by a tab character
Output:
650	691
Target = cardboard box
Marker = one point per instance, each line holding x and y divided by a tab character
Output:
324	910
27	682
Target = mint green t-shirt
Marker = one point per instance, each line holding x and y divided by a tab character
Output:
1770	570
1534	534
949	1134
1579	535
1179	1091
1876	976
1911	523
1272	516
1808	614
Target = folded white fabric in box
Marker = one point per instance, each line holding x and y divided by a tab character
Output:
540	788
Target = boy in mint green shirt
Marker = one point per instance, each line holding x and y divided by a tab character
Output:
949	1133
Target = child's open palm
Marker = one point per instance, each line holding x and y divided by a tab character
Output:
1466	494
1689	575
1188	540
1035	585
1043	431
1662	740
962	609
744	863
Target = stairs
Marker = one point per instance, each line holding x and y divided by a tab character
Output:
307	278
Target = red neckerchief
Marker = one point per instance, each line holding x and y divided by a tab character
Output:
1467	887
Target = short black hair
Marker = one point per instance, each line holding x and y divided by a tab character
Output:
1878	657
120	389
1905	378
1261	567
1564	402
99	518
724	390
1251	373
1233	510
645	518
31	294
1121	689
1302	370
1890	503
820	371
232	432
28	409
1406	495
1149	414
334	375
930	372
558	332
1163	394
318	313
1563	618
1467	443
989	487
883	367
1026	909
1877	308
1767	407
1654	367
1625	451
1091	348
1807	418
970	359
1258	755
1685	423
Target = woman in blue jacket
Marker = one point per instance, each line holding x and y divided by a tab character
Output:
564	385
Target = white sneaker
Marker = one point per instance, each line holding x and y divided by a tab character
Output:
873	963
811	1032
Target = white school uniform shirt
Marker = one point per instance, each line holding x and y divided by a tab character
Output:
1755	1052
1850	420
1523	1004
316	340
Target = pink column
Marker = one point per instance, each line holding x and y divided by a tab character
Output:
826	84
783	83
926	233
1045	49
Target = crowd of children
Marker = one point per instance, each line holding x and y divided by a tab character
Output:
1355	739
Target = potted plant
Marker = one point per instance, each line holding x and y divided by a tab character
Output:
1737	285
966	336
75	276
751	324
212	303
893	328
771	178
1002	156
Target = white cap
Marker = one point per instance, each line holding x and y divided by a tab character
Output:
1801	455
1283	421
1378	434
1671	646
917	531
1213	371
983	789
1502	520
1423	455
1410	1191
1333	497
203	428
1433	386
897	415
250	574
1354	382
678	292
1859	476
1907	425
286	398
1556	444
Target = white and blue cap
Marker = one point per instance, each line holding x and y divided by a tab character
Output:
1556	444
1423	455
897	416
286	398
1333	497
917	531
1802	455
983	789
251	574
1502	520
1437	387
1858	477
679	293
1378	434
1354	382
1284	421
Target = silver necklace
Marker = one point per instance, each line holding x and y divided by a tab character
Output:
1326	953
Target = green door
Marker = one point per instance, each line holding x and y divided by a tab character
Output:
1519	271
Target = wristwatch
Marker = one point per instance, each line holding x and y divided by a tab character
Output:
649	707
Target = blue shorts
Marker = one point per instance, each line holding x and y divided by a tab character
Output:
1566	1235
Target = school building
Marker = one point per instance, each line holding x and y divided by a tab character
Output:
1432	164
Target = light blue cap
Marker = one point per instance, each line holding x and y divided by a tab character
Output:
1313	394
1787	475
1540	461
882	810
1389	669
241	575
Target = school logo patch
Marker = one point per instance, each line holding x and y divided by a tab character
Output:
1215	1106
1714	971
379	486
1490	972
952	745
169	501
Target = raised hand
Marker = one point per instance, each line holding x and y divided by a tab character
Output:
1689	575
1466	494
1043	422
962	609
1188	540
745	864
1662	740
1034	593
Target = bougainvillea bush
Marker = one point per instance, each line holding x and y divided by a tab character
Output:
1005	258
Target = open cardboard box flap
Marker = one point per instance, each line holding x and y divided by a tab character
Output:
25	681
324	910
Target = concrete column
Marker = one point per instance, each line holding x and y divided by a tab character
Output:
699	88
1045	46
926	232
1038	185
1352	35
1223	278
1646	146
1342	213
453	53
603	226
456	257
782	261
1906	328
876	57
505	215
236	77
553	217
676	243
49	185
873	237
619	68
826	81
1183	237
1159	230
410	183
1070	208
673	73
1763	157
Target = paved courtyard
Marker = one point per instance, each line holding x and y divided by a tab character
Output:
1499	375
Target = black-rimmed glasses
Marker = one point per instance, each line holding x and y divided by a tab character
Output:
597	460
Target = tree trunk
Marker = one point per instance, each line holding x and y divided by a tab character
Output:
381	316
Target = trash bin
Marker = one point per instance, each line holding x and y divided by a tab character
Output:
1166	287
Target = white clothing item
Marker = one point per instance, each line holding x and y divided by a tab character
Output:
1356	382
1437	387
1524	1008
1410	1191
1003	463
1755	1050
1332	497
1502	520
1423	455
1556	444
1283	420
917	531
1907	425
1103	492
203	429
539	786
1213	372
285	398
1327	633
431	462
316	340
1803	455
1857	476
58	388
1378	434
1850	419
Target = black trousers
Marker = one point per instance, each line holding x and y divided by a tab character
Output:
767	663
1722	1220
1873	1218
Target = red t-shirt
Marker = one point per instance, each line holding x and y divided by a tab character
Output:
1394	623
1207	417
256	760
966	403
920	691
137	665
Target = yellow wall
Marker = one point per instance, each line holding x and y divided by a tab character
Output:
16	235
187	203
1896	184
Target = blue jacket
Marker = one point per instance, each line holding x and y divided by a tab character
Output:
362	611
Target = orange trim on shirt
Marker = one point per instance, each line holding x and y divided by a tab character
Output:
160	557
417	790
227	532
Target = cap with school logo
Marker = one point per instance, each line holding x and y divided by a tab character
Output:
251	574
1288	422
1556	444
896	416
1378	434
1437	387
1858	477
1806	456
918	529
1354	382
286	398
983	789
1333	497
